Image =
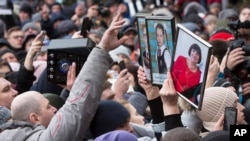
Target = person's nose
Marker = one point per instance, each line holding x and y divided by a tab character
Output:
54	109
14	92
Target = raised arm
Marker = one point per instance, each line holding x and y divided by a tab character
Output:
26	76
73	119
171	110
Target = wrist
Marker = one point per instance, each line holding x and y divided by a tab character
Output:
101	47
170	110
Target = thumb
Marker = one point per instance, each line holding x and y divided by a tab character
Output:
123	39
40	36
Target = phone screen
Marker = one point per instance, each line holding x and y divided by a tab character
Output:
230	117
122	65
86	25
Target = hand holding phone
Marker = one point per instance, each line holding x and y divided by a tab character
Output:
86	25
230	117
122	65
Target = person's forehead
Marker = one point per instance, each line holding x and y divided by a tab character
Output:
8	54
130	32
3	82
41	99
159	30
16	32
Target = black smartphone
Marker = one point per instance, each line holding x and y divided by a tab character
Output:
122	65
230	117
86	25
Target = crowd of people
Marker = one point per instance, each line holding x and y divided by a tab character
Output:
105	102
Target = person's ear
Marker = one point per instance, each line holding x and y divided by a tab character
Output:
33	117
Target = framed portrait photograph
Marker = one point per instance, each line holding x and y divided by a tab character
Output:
190	65
160	35
143	41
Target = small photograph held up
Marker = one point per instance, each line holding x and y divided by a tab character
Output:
160	35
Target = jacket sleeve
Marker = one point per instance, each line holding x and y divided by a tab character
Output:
172	121
25	79
72	121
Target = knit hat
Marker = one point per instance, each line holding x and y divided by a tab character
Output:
228	14
214	102
4	115
57	17
55	100
222	82
191	26
30	25
139	101
181	134
27	38
65	27
210	19
194	7
3	42
217	136
118	135
194	18
222	34
6	50
109	116
215	5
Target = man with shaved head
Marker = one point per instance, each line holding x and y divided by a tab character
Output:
71	121
35	108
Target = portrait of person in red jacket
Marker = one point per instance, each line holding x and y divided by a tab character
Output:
185	71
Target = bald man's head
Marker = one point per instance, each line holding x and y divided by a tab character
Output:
32	107
25	104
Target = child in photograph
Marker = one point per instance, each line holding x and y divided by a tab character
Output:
162	54
185	71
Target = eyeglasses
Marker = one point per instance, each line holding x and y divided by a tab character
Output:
18	36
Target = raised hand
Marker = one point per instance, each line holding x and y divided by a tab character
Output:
168	92
213	70
109	40
121	84
152	92
71	76
235	57
36	46
77	35
219	124
246	88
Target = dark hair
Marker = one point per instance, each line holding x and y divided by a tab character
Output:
219	49
26	8
243	7
196	48
133	70
57	4
160	26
